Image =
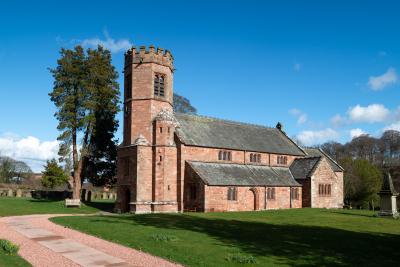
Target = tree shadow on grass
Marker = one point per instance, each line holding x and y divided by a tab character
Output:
354	214
295	245
103	206
37	200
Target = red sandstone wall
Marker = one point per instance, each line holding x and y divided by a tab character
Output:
143	108
325	175
191	153
216	199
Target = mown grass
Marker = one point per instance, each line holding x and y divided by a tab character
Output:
303	237
9	256
11	206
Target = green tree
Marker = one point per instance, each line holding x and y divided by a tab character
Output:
182	105
100	164
53	175
85	85
13	171
362	181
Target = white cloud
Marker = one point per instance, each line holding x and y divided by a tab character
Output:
393	126
297	66
356	133
300	115
309	138
109	43
29	149
380	82
370	114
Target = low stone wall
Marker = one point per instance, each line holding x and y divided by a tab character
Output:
8	192
87	195
92	194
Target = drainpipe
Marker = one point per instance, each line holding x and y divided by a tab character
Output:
265	197
290	196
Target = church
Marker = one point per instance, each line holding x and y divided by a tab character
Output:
172	162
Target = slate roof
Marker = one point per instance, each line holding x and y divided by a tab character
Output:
303	167
317	152
225	174
210	132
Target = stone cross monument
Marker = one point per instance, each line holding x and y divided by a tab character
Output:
388	197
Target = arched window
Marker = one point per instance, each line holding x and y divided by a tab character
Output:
325	190
232	193
161	79
259	158
224	155
251	158
295	193
270	193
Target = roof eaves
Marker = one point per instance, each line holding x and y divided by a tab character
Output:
290	139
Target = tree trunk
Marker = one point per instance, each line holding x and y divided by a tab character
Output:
78	162
76	191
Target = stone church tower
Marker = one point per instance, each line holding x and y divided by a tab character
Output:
147	157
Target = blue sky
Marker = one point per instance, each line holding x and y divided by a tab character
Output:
328	70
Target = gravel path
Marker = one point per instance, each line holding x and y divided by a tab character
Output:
43	243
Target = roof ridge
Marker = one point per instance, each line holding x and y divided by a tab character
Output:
225	120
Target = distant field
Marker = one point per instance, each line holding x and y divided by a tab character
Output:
10	206
300	237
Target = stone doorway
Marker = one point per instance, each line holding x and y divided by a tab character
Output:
126	200
251	200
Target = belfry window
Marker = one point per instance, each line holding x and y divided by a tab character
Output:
128	87
159	85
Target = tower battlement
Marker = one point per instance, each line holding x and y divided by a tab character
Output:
150	55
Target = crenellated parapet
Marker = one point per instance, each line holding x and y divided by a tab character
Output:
150	55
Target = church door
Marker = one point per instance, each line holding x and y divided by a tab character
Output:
251	200
126	200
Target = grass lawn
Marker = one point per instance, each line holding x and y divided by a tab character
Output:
300	237
12	260
10	206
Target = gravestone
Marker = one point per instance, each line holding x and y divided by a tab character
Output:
10	193
18	193
388	195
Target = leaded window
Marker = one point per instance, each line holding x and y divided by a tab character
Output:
224	155
159	85
232	193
